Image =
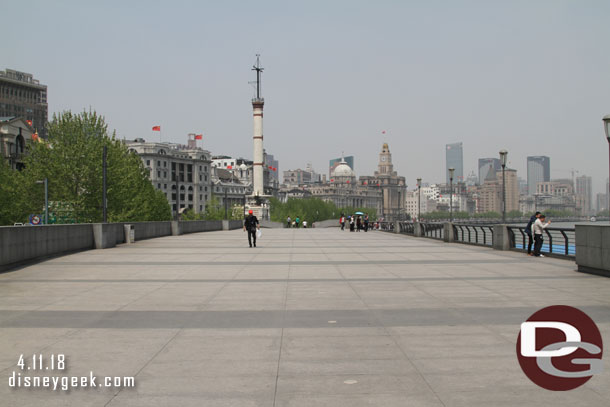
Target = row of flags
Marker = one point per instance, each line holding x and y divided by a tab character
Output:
197	136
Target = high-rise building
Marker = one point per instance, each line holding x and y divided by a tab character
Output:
584	195
490	192
454	158
538	170
23	96
485	164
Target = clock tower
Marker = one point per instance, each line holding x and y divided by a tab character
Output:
385	161
393	187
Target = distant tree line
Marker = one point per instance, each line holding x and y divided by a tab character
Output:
312	210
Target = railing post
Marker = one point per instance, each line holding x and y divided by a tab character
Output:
448	235
176	229
501	238
417	229
396	227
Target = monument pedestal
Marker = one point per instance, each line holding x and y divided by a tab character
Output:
259	205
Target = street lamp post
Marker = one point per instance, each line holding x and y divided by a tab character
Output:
418	199
451	171
104	189
503	154
46	199
606	120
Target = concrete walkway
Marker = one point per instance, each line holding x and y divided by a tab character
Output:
314	317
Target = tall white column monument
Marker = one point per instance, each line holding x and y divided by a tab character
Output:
258	202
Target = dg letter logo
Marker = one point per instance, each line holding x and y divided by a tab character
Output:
560	348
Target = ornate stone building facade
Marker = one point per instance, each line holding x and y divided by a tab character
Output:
344	190
393	187
182	173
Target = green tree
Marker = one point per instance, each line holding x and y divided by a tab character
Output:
71	159
213	209
12	202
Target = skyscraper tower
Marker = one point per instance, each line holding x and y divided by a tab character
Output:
257	107
454	159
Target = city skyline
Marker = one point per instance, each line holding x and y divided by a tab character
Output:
538	90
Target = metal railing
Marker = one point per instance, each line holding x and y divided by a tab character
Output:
386	226
433	230
557	241
481	235
407	228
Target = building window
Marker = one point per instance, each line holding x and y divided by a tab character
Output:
158	163
159	186
158	174
164	185
148	162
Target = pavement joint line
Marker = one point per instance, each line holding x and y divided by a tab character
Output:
299	280
178	331
392	337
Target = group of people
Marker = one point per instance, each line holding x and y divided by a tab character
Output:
296	223
535	229
356	222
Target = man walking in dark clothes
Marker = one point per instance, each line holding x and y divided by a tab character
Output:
251	226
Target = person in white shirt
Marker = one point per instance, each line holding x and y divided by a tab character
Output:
538	229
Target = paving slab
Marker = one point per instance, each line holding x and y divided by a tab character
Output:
314	317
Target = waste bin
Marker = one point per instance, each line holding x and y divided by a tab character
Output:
130	233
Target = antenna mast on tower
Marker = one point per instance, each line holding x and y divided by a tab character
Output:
258	70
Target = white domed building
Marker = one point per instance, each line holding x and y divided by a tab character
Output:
345	190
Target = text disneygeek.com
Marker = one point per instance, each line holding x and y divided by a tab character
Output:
38	363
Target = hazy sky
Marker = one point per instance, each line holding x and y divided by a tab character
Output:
529	76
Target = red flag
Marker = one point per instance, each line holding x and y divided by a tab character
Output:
332	180
35	136
29	122
383	132
198	136
274	169
229	167
156	128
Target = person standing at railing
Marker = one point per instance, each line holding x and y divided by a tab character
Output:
528	231
538	229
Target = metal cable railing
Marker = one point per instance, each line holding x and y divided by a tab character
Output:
473	234
557	241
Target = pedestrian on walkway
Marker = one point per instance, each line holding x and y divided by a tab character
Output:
366	222
528	231
251	226
538	228
288	222
358	223
297	221
351	223
304	224
342	221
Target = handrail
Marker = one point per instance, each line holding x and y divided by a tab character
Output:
566	235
